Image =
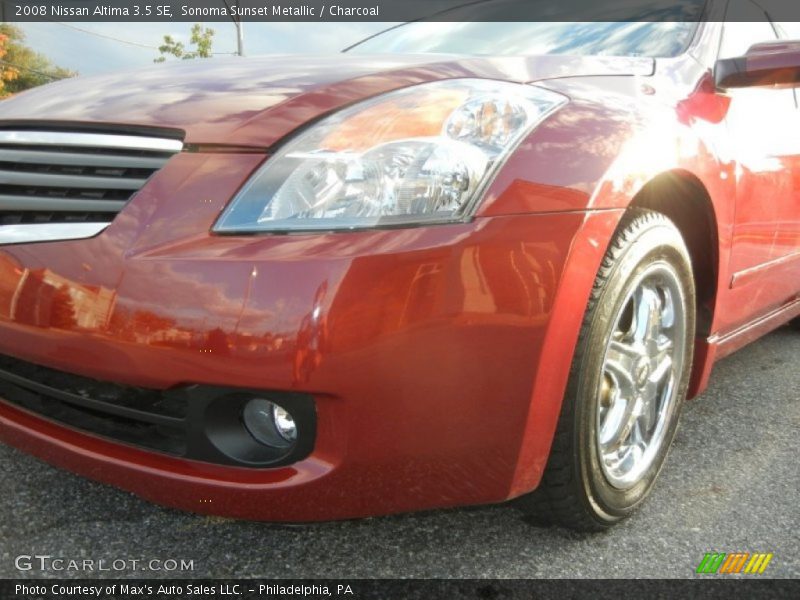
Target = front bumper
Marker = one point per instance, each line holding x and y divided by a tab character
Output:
420	346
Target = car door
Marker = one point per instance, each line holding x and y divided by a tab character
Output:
790	229
764	132
789	236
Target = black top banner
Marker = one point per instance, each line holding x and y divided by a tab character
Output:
382	10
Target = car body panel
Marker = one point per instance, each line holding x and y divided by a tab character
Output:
476	297
437	356
257	102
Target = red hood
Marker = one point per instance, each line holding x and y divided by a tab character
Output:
255	102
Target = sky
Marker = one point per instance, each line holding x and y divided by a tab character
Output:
92	48
88	48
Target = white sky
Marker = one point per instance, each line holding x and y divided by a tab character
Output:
89	53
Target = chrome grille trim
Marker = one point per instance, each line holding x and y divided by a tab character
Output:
43	203
69	181
90	140
57	185
39	232
81	159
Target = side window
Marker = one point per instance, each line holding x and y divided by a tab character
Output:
745	24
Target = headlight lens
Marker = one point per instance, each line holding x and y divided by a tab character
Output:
421	154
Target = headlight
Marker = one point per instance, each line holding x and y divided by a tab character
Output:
418	155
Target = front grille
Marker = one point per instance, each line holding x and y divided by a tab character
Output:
148	418
57	177
29	217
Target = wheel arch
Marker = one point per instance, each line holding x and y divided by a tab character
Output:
683	198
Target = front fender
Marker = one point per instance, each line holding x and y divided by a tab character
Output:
561	337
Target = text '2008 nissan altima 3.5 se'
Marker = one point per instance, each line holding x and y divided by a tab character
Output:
459	263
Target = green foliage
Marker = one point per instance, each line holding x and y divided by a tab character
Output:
22	68
202	39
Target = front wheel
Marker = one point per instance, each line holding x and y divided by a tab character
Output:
628	380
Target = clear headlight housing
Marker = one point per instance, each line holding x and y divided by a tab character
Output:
418	155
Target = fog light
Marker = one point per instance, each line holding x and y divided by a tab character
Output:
269	424
284	423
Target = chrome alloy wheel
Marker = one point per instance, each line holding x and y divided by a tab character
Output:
642	366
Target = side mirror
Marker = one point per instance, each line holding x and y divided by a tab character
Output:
772	64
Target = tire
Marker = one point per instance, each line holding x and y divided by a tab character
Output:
592	479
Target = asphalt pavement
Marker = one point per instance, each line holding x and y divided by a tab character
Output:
730	485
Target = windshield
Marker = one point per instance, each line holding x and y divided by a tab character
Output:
655	39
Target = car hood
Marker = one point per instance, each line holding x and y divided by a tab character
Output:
254	102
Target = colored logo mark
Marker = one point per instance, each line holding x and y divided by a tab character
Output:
737	562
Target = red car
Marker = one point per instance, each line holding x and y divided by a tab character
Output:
458	264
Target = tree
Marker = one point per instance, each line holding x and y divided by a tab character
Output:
6	73
202	38
22	68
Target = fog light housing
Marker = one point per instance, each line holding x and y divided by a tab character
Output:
257	429
269	424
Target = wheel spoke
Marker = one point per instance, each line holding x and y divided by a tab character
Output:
652	391
620	361
642	363
646	314
661	368
650	409
622	353
624	422
668	312
629	451
637	437
662	346
638	446
613	422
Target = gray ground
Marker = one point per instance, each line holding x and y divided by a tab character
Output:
731	484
